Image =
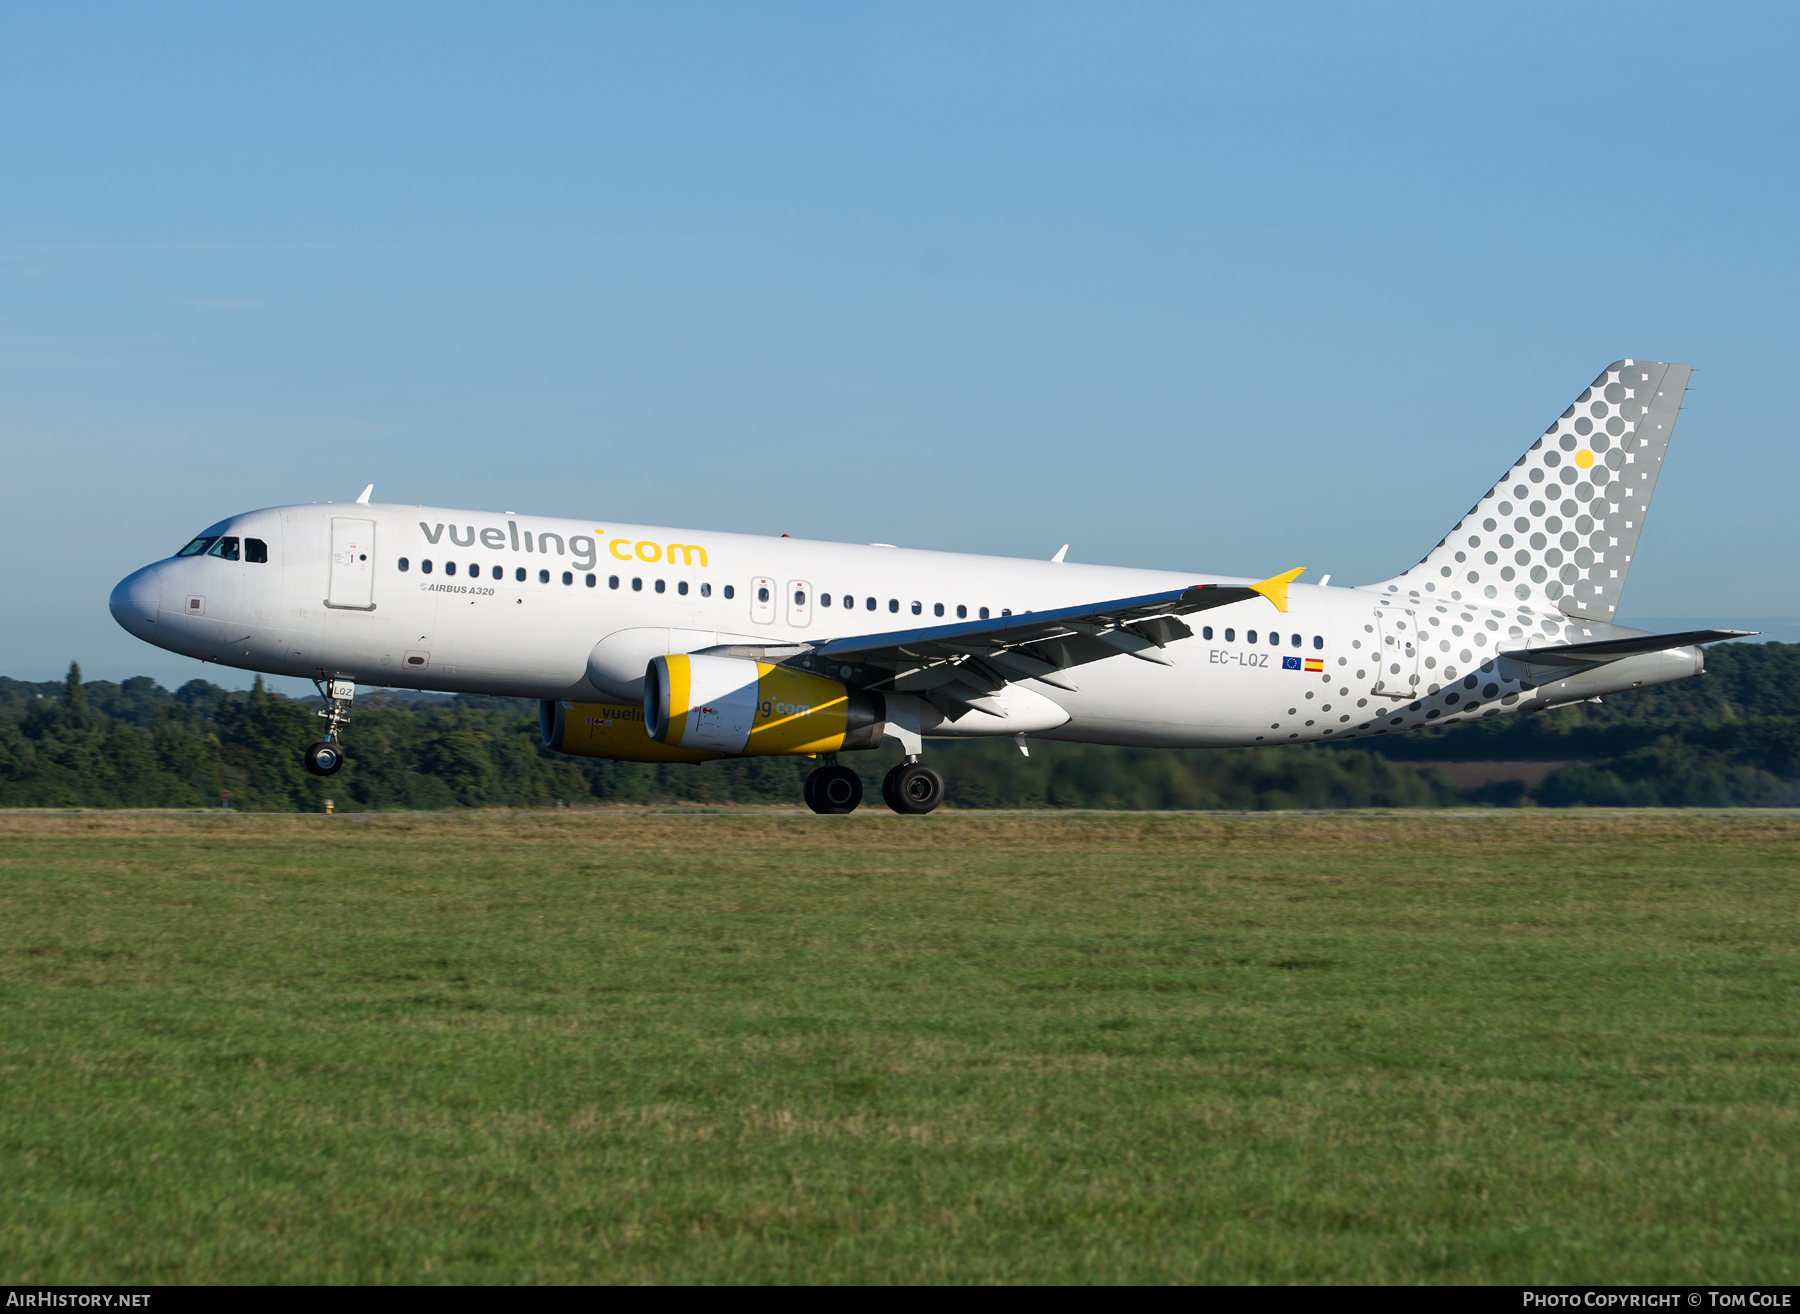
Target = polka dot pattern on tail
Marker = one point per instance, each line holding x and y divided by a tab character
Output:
1578	496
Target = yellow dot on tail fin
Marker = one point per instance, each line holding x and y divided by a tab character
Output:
1584	458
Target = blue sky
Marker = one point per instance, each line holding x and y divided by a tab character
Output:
1183	287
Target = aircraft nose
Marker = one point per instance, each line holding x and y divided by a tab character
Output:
135	599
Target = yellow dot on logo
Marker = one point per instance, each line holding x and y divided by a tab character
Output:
1584	458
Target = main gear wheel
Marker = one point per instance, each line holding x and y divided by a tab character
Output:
833	790
912	788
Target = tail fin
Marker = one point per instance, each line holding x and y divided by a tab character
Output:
1560	527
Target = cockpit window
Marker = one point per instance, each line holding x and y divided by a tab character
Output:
198	546
226	547
256	550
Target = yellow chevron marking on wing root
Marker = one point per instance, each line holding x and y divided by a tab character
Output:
1275	589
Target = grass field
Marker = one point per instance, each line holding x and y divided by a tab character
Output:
658	1046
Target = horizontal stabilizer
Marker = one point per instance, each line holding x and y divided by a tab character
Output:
1611	650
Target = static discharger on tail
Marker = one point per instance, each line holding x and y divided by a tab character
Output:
651	644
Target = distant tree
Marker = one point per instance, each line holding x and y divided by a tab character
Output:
75	701
459	757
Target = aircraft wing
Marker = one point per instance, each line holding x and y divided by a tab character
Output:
1611	650
959	666
1150	620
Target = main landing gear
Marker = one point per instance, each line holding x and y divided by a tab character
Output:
326	757
912	788
833	790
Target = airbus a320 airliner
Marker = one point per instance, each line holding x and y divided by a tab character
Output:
648	644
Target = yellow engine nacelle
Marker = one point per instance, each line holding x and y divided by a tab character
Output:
739	707
607	730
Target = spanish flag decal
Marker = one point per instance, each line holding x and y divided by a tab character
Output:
1315	663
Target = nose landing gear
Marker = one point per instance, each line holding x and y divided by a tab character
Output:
324	759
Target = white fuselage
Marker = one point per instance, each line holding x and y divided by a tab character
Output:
598	598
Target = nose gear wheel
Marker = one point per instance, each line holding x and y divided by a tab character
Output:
324	759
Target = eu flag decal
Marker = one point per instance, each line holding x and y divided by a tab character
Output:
1290	663
1315	663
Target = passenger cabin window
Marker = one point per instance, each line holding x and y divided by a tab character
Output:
224	548
591	581
543	577
706	591
568	577
519	574
1249	636
195	548
637	584
937	609
762	595
425	566
893	604
871	605
449	567
404	565
917	608
256	551
1206	632
1006	611
1296	640
612	581
1231	636
984	613
730	592
1318	640
499	572
681	588
661	587
962	612
1274	638
799	597
824	599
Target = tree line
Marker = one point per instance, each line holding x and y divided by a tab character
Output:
1729	738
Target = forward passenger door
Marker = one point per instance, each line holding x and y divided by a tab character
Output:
352	581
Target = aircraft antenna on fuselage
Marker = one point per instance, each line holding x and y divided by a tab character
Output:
364	499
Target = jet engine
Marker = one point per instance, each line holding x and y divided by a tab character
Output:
607	730
740	707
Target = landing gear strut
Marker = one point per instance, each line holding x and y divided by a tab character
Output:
833	790
324	759
912	788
